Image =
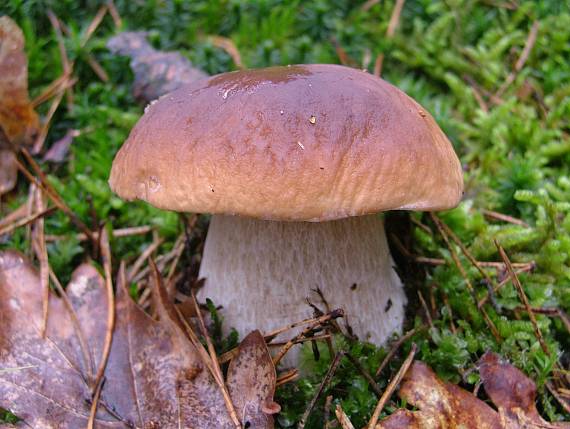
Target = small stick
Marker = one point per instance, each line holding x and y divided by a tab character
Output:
26	220
558	396
556	312
342	418
88	362
505	218
392	25
42	255
216	365
143	257
14	215
287	377
314	321
40	140
94	24
523	298
106	259
304	334
117	233
66	64
466	252
395	348
42	182
426	309
230	47
391	387
114	14
326	380
327	413
502	283
463	273
95	404
529	44
365	374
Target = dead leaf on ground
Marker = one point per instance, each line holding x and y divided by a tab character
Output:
59	150
156	72
154	377
19	122
444	405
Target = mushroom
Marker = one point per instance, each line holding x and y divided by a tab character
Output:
293	163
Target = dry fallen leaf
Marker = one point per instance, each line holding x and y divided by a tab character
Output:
156	72
18	120
444	405
154	377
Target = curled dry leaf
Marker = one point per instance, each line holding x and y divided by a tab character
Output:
444	405
156	72
18	120
153	378
251	382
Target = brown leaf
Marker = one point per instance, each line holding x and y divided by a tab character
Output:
251	382
153	378
444	405
58	151
156	72
18	119
8	171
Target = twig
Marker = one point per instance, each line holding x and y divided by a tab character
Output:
62	83
40	140
392	25
230	47
117	233
503	217
327	413
66	64
304	334
287	377
88	362
365	374
216	365
463	273
26	220
426	309
44	184
42	255
529	44
106	259
395	348
342	418
114	14
143	257
441	224
326	380
555	312
523	298
502	283
94	24
94	404
391	387
557	396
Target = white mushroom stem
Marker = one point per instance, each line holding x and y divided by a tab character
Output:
261	272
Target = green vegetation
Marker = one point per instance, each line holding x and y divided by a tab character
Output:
458	59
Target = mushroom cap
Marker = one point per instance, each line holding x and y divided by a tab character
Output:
296	143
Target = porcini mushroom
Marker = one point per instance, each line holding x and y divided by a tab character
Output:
293	163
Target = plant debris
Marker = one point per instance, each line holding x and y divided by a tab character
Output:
156	72
18	120
153	378
445	405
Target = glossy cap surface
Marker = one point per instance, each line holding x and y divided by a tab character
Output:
297	143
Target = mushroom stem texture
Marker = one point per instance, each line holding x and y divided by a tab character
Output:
261	272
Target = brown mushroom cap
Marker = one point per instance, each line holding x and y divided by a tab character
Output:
296	143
